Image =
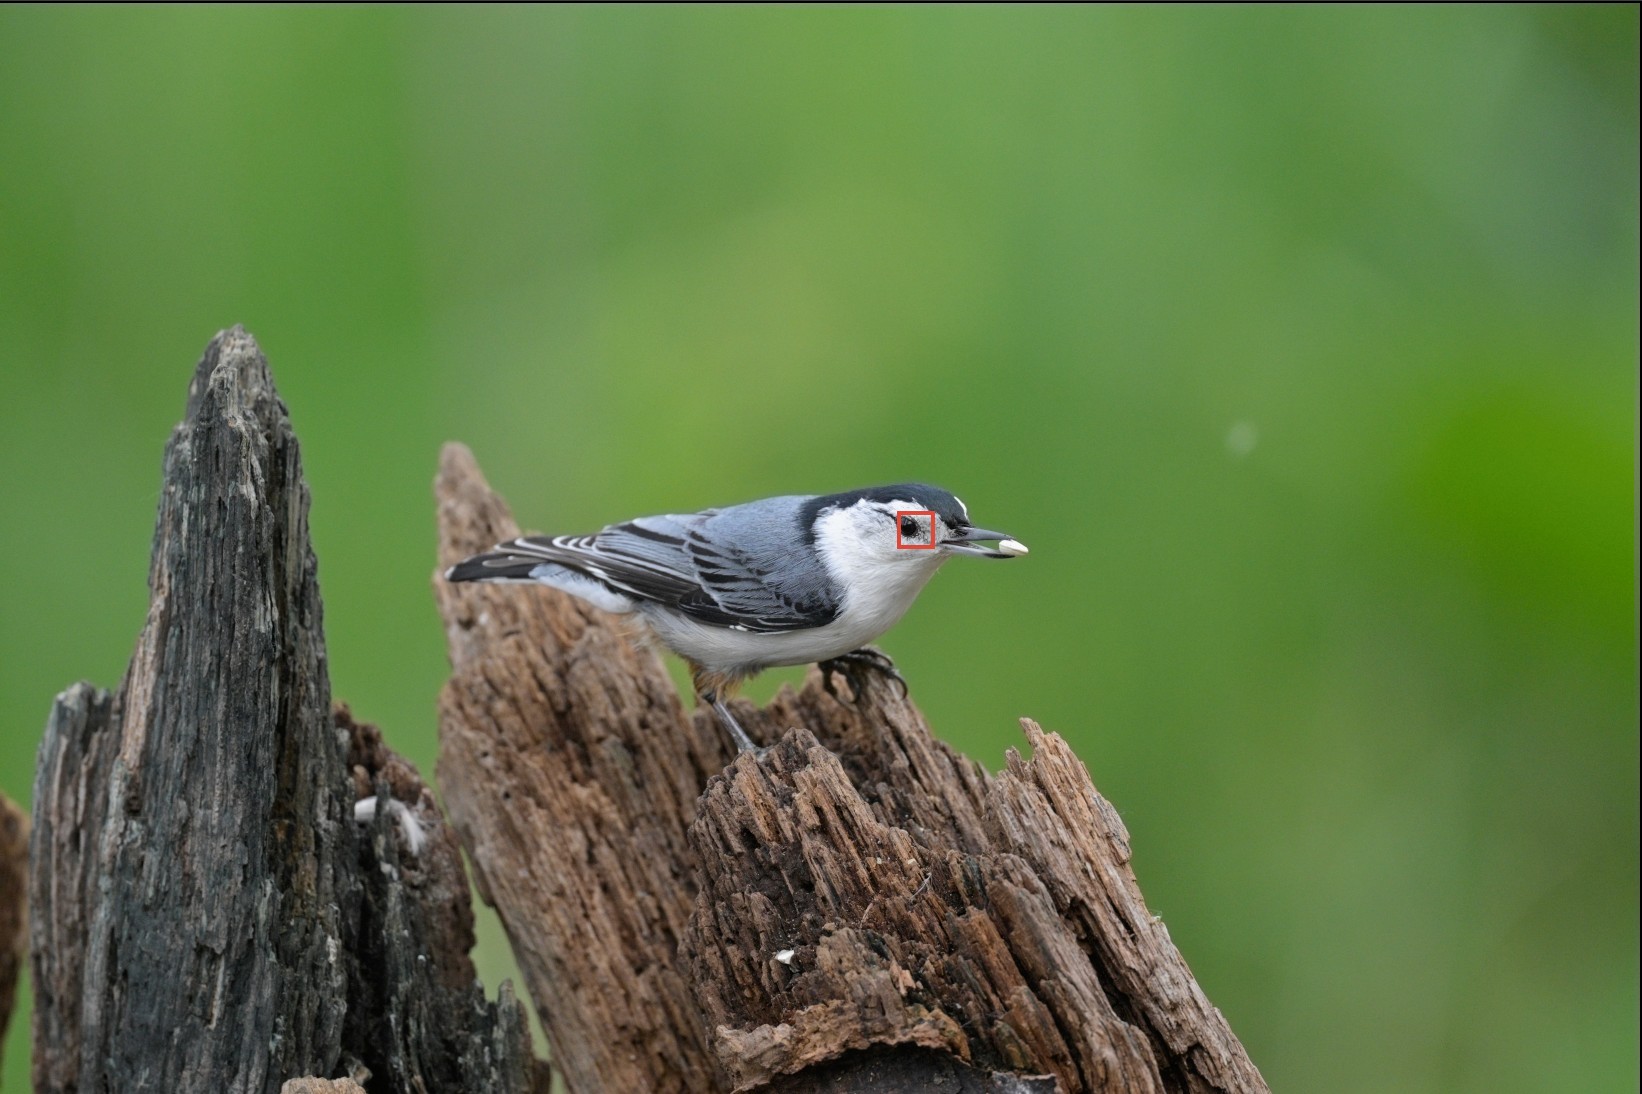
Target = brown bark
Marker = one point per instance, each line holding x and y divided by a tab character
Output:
858	907
14	848
204	914
570	769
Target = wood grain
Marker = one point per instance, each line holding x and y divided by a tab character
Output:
204	914
570	769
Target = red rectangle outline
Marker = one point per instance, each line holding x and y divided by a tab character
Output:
931	545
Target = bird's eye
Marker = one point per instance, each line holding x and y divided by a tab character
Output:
909	528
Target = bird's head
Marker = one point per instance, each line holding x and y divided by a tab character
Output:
909	525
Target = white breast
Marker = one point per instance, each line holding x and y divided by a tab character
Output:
879	593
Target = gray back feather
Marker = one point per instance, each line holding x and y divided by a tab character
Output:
746	566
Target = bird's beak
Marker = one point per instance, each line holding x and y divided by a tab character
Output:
968	542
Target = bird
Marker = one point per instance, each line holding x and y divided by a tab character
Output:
786	580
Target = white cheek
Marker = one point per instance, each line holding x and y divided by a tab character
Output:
853	543
880	579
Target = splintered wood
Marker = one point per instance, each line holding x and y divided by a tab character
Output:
570	771
856	908
205	914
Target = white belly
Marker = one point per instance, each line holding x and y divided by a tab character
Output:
872	610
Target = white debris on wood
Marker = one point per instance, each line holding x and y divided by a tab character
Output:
364	811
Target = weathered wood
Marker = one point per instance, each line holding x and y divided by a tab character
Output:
14	849
570	771
1046	811
888	939
1026	946
903	1070
204	915
70	807
857	901
417	1016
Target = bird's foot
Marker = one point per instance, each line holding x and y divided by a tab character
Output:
850	665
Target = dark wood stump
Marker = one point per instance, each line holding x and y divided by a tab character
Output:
205	915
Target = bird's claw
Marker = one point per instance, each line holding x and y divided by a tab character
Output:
831	668
848	665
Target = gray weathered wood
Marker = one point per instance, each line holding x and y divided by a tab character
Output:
858	907
70	803
204	915
417	1018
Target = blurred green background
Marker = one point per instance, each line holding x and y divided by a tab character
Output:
1300	345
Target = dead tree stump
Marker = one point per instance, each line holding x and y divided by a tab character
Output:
857	908
204	914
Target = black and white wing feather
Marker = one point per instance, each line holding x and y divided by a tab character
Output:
753	586
732	567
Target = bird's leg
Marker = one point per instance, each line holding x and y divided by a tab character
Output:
710	689
849	665
743	743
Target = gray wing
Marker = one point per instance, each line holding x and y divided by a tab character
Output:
757	571
746	566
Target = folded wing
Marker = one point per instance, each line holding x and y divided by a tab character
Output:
722	567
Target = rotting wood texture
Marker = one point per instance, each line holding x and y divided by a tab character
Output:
570	771
857	905
204	915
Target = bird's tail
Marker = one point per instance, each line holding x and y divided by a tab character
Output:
495	566
507	564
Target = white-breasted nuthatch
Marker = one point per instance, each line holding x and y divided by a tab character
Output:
781	581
